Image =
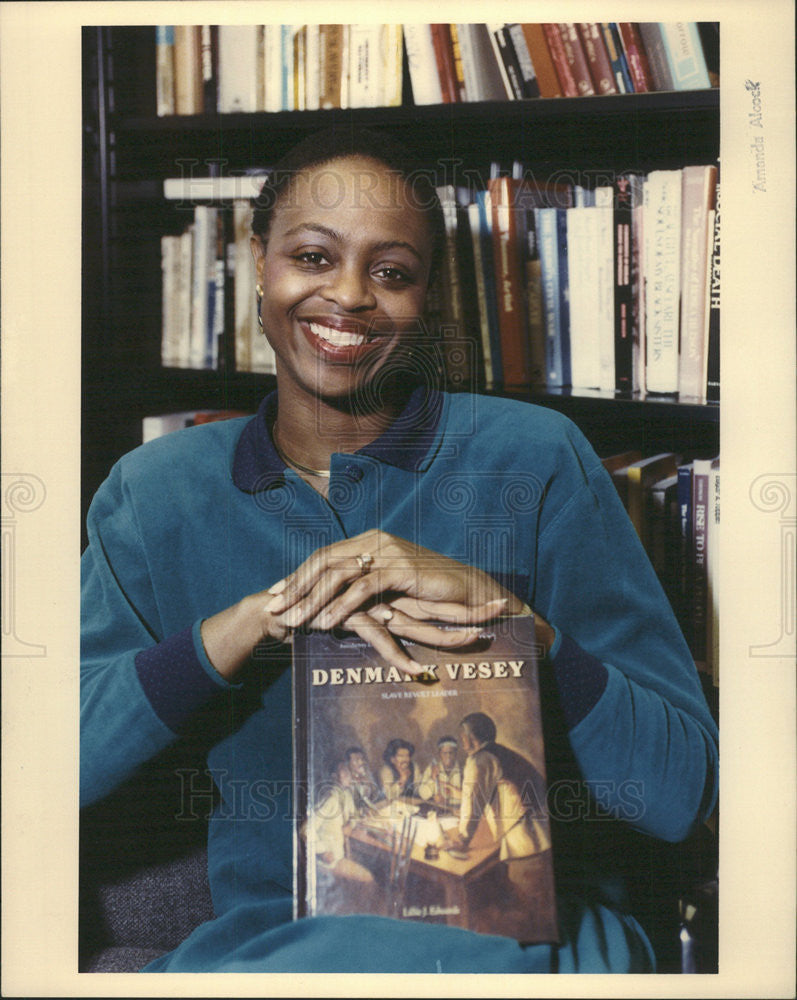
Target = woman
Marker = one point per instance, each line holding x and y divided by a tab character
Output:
362	496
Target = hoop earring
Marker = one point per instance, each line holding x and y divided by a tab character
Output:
259	291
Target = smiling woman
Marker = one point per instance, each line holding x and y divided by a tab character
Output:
363	496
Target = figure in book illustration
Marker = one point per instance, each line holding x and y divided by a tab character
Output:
455	830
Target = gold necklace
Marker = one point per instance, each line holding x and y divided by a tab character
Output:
322	473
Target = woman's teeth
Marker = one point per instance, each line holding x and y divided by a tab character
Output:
338	338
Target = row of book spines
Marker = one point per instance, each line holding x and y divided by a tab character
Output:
281	67
250	68
575	296
517	61
209	306
675	509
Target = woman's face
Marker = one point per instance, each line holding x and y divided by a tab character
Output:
345	273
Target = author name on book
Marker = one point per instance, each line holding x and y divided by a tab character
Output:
755	118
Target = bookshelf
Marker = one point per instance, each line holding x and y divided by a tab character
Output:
129	151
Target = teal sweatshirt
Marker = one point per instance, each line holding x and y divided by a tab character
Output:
190	523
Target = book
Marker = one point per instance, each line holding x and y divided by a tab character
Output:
600	68
333	65
170	320
188	93
391	80
636	57
701	470
663	530
552	236
641	475
590	263
535	321
662	275
544	69
485	316
659	65
685	57
299	68
697	204
623	290
638	358
312	67
422	64
484	205
456	54
564	73
577	59
482	77
617	60
164	70
516	40
370	837
209	53
713	572
444	60
617	467
714	282
683	606
364	65
165	423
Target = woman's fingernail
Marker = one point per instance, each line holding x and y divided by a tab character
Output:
276	588
293	617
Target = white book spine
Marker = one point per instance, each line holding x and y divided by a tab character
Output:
422	64
272	71
392	78
238	68
604	316
662	224
312	87
164	73
492	28
244	298
184	302
170	263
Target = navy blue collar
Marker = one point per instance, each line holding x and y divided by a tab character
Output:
405	444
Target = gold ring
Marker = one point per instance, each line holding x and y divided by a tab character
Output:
365	560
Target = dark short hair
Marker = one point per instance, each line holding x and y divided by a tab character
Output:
394	746
352	140
349	752
481	725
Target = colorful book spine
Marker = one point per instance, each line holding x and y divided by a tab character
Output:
544	69
484	203
509	282
614	50
444	59
600	67
623	290
164	70
552	230
528	76
658	62
483	81
685	58
564	73
714	280
577	59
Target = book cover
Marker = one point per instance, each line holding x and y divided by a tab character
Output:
544	69
576	58
422	64
553	39
483	80
697	204
164	69
636	56
600	68
376	832
662	274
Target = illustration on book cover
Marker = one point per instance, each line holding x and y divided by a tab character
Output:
424	798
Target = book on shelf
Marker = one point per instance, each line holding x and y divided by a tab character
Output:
714	282
188	88
209	61
374	832
640	476
540	55
564	72
685	58
597	55
590	262
164	70
633	48
422	64
663	530
701	474
653	39
527	74
712	572
617	59
240	68
157	425
552	237
576	59
485	305
482	76
699	185
444	60
662	276
333	65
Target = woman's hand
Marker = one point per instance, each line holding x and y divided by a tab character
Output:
381	586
